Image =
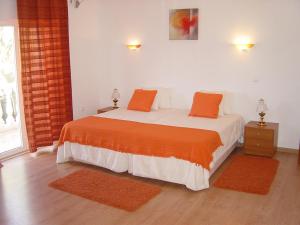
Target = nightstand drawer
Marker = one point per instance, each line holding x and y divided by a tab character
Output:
258	143
261	134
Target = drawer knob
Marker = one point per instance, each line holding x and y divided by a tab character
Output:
257	144
258	133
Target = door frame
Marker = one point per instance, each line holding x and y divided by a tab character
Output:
24	146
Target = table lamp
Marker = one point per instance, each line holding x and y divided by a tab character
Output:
261	109
115	97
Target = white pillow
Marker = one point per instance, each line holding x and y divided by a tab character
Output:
224	107
155	103
162	99
227	103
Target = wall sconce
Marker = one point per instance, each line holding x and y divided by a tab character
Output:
134	45
243	43
76	3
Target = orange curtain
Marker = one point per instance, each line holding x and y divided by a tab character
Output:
46	75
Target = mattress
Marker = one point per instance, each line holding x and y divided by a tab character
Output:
169	169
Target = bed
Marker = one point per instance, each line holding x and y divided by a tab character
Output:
171	169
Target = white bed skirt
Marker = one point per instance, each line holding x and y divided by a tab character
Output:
193	176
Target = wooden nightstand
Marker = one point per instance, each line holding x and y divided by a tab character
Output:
103	110
261	140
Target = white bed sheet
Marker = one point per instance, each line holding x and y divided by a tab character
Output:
195	177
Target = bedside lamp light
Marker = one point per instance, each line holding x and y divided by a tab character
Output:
115	97
261	109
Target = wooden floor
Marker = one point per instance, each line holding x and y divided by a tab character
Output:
25	199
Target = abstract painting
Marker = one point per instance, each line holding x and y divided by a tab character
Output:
183	24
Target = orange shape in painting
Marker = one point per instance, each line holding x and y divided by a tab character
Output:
181	20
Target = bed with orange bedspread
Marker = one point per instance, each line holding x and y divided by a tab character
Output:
145	144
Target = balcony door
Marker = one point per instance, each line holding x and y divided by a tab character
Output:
11	118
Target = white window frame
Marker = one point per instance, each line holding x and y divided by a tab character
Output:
24	146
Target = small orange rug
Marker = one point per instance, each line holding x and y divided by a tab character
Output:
249	174
123	193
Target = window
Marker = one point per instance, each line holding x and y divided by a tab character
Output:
11	138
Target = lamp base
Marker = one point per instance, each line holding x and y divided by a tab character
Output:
261	124
115	103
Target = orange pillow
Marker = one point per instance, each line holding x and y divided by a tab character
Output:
142	100
206	105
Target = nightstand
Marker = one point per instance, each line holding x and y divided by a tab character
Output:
103	110
261	140
299	155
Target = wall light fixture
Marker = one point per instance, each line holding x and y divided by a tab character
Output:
76	3
244	43
134	45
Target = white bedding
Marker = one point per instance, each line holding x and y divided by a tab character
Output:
170	169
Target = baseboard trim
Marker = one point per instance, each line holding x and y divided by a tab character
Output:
288	150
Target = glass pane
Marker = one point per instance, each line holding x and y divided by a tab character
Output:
10	125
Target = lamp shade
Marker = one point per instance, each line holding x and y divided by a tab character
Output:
115	95
261	106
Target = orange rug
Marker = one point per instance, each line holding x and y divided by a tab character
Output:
123	193
248	174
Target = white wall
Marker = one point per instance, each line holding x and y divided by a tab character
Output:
100	61
8	10
88	53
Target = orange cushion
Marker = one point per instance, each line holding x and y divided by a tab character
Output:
142	100
206	105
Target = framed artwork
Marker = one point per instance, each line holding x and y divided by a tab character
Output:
183	24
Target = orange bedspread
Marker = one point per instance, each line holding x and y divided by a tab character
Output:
194	145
